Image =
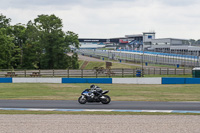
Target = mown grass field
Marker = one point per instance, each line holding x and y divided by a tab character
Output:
93	64
118	92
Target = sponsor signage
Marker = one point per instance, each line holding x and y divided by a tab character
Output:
92	40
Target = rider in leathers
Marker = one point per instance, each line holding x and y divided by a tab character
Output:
96	90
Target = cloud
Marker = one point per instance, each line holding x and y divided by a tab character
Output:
113	18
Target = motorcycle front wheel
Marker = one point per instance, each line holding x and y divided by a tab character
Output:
105	99
82	100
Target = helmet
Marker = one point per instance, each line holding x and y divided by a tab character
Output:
92	86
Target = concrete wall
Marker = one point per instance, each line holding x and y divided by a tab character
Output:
104	80
36	80
136	81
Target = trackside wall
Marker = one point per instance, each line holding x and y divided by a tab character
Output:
180	80
37	80
87	80
5	80
104	80
136	81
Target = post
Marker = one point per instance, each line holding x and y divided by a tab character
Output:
154	70
25	72
68	72
122	72
53	72
184	71
160	71
175	71
96	74
81	73
133	72
167	71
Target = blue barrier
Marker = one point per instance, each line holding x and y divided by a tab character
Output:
165	80
87	80
180	80
5	80
157	53
173	80
192	81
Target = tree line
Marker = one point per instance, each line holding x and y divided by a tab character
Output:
39	44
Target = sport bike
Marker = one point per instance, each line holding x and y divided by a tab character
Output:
94	96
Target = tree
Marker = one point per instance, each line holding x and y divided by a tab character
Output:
4	22
8	50
54	42
19	35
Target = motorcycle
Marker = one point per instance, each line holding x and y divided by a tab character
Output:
88	96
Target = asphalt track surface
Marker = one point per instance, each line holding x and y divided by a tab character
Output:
120	105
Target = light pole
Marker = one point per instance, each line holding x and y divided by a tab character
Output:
143	54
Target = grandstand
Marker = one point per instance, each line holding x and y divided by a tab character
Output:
145	41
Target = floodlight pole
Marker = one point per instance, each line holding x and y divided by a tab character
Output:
143	55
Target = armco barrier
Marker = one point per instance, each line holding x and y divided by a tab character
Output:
5	80
87	80
136	81
36	80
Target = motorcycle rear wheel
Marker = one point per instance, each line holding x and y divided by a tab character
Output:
82	100
105	100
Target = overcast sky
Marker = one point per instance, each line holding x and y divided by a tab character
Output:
113	18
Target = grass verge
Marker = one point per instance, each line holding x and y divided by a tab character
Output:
118	92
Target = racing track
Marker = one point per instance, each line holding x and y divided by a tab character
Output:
116	105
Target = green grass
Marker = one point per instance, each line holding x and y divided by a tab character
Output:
80	62
177	76
118	92
93	64
89	113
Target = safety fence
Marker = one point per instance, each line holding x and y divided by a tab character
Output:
97	72
158	80
146	57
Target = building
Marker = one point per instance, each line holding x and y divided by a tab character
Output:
146	41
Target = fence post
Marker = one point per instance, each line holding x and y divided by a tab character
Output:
53	72
160	71
154	70
184	71
68	72
167	71
122	72
96	74
25	72
133	72
148	71
81	73
175	71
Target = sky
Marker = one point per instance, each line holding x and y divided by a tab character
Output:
113	18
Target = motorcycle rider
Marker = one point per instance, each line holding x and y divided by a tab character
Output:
96	90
